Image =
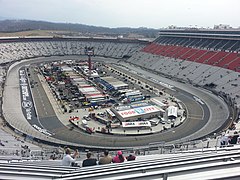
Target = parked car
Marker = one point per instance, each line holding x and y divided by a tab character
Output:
102	114
86	118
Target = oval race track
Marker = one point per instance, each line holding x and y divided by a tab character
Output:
202	118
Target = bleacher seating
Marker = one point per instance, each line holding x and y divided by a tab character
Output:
222	52
198	60
15	147
11	51
202	74
221	164
228	60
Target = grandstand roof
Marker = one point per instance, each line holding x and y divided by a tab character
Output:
220	34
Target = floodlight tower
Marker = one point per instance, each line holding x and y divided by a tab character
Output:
89	51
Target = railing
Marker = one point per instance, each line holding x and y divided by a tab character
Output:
166	148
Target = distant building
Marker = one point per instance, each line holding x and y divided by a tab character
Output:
222	26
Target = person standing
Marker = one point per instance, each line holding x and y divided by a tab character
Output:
106	159
89	161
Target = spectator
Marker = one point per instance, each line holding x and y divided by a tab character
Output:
119	158
1	143
68	160
233	126
107	159
131	157
224	140
234	139
89	161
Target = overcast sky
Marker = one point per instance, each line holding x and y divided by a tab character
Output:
127	13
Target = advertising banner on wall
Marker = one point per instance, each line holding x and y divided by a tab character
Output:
138	111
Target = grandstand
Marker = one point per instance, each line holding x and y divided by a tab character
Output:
220	164
24	48
202	57
208	59
212	48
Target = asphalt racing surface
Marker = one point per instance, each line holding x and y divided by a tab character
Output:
202	117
